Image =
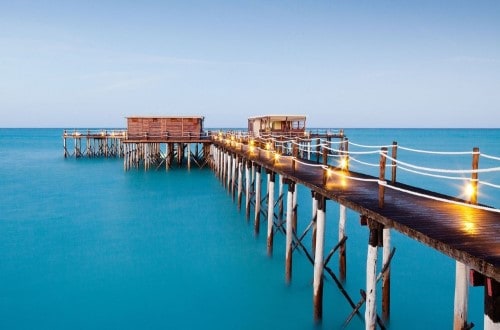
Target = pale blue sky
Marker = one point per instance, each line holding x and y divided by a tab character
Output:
342	63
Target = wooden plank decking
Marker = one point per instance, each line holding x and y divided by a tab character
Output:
466	234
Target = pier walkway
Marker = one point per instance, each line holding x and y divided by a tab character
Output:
461	229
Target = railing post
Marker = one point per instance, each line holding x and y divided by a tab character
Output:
325	163
346	153
318	146
474	175
381	187
294	155
394	156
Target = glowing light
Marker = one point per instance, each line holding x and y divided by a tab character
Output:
343	163
469	190
329	173
268	145
277	157
252	143
252	148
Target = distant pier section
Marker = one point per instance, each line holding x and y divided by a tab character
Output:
94	143
148	141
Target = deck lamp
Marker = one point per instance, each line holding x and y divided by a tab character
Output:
470	191
343	163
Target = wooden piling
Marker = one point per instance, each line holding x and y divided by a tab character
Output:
289	230
386	277
270	212
371	276
258	191
65	146
229	171
294	208
233	175
280	199
318	259
240	182
247	189
342	248
491	304
461	296
314	215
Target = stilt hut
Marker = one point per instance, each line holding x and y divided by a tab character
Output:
290	125
164	127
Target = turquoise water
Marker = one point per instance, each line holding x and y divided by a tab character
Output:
85	245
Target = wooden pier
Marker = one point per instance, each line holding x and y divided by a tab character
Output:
148	142
461	229
281	149
94	143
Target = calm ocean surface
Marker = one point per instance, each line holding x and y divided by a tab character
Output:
85	245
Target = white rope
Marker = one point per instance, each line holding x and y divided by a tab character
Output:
490	157
440	170
489	184
437	152
442	199
367	146
430	174
363	163
332	142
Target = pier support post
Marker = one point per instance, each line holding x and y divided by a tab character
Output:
258	189
189	156
342	248
240	182
281	197
491	304
229	171
233	175
314	219
289	230
318	259
386	277
461	296
270	212
223	168
371	276
295	211
247	189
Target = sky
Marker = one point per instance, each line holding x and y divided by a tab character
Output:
343	64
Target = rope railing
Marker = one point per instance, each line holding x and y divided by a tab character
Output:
328	151
116	133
